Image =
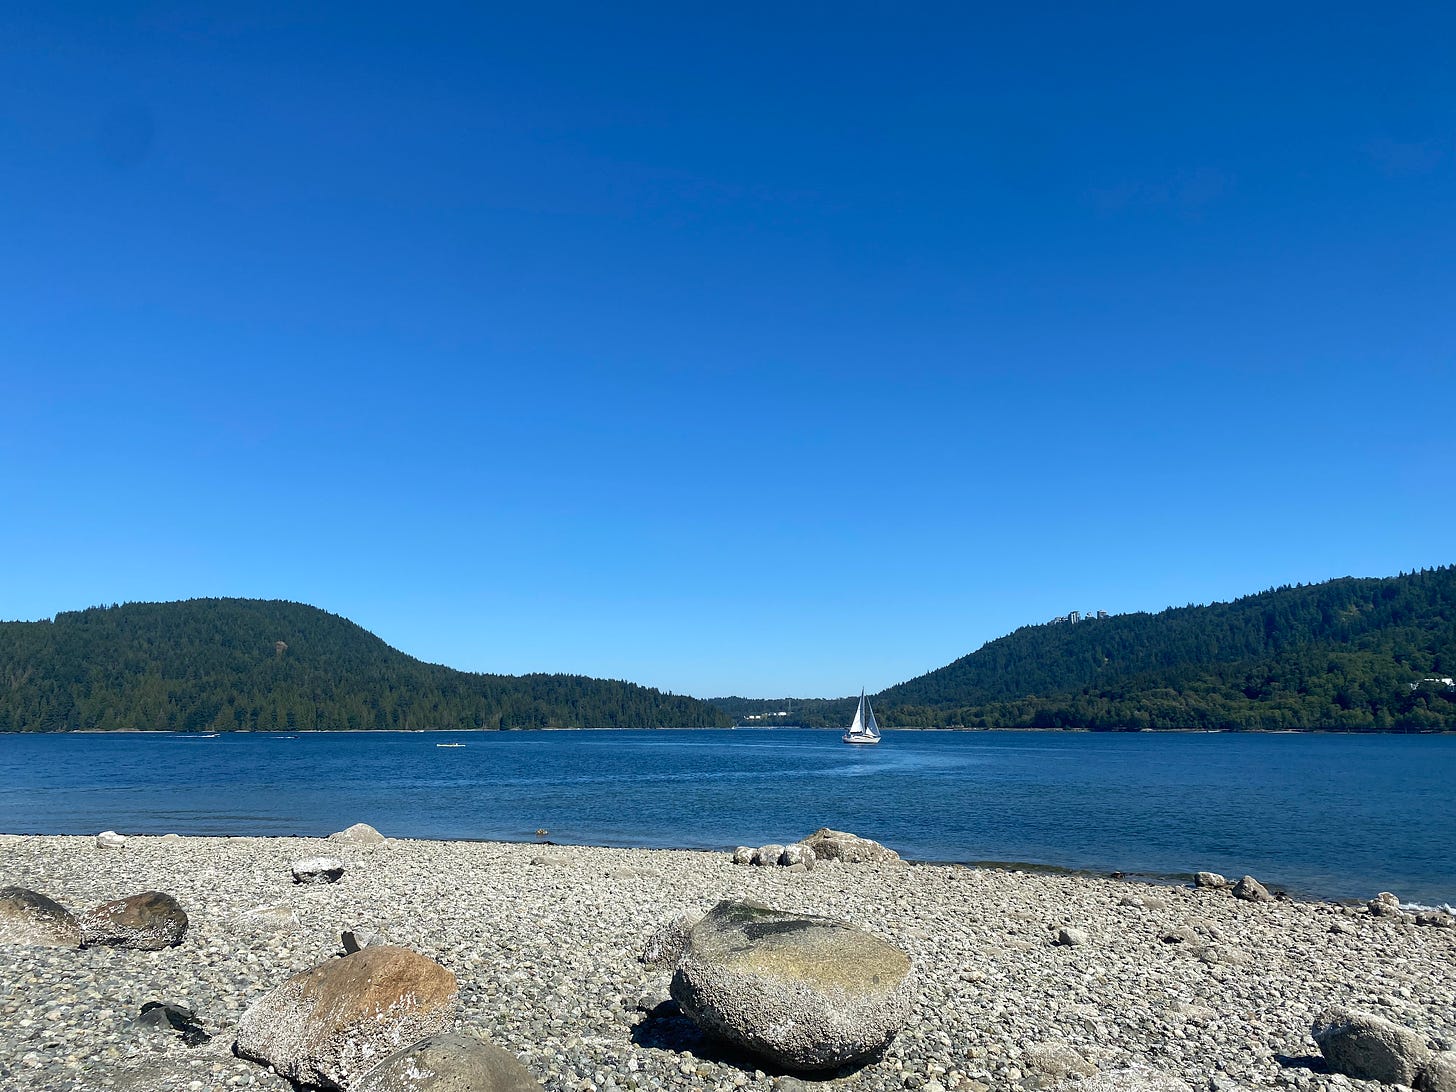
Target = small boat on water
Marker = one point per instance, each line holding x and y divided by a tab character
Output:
864	729
449	745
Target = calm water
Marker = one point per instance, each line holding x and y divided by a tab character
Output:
1333	816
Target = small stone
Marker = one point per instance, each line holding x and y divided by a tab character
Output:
1209	879
1071	936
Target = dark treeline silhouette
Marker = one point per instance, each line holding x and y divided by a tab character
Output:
220	665
1354	654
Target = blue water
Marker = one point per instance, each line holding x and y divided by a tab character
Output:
1334	816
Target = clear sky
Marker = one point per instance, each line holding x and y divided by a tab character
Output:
762	349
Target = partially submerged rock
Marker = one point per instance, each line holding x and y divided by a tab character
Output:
28	917
449	1063
837	845
149	922
806	993
317	870
332	1024
1369	1047
1384	905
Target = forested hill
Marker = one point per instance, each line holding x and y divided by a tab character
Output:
1343	654
265	665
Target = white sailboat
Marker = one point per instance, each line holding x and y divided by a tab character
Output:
864	729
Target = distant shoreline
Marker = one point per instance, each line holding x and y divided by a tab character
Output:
272	732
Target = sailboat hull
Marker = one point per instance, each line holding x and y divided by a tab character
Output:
864	740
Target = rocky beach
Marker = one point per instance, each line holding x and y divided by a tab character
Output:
1019	979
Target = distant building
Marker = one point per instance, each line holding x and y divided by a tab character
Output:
1074	616
1101	614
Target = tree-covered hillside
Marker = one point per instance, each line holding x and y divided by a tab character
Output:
255	665
1349	653
1343	654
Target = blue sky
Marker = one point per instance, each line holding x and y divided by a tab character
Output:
787	349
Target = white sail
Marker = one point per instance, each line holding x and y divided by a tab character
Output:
864	728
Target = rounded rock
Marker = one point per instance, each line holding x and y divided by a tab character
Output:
806	993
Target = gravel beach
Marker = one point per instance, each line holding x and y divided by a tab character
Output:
545	942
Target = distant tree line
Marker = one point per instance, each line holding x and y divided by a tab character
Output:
222	665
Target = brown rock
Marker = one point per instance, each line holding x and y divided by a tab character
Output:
149	921
332	1024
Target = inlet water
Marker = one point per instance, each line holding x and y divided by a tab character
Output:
1333	816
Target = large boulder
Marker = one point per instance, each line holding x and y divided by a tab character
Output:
449	1063
1369	1047
149	921
28	917
836	845
332	1024
806	993
360	834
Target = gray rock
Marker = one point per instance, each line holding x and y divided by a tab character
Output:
1384	905
109	839
798	854
28	917
1210	879
1179	934
667	943
317	870
1135	1078
1438	919
332	1024
148	922
1071	936
1251	890
836	845
1439	1073
449	1063
1369	1047
360	834
768	855
1056	1061
744	855
806	993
